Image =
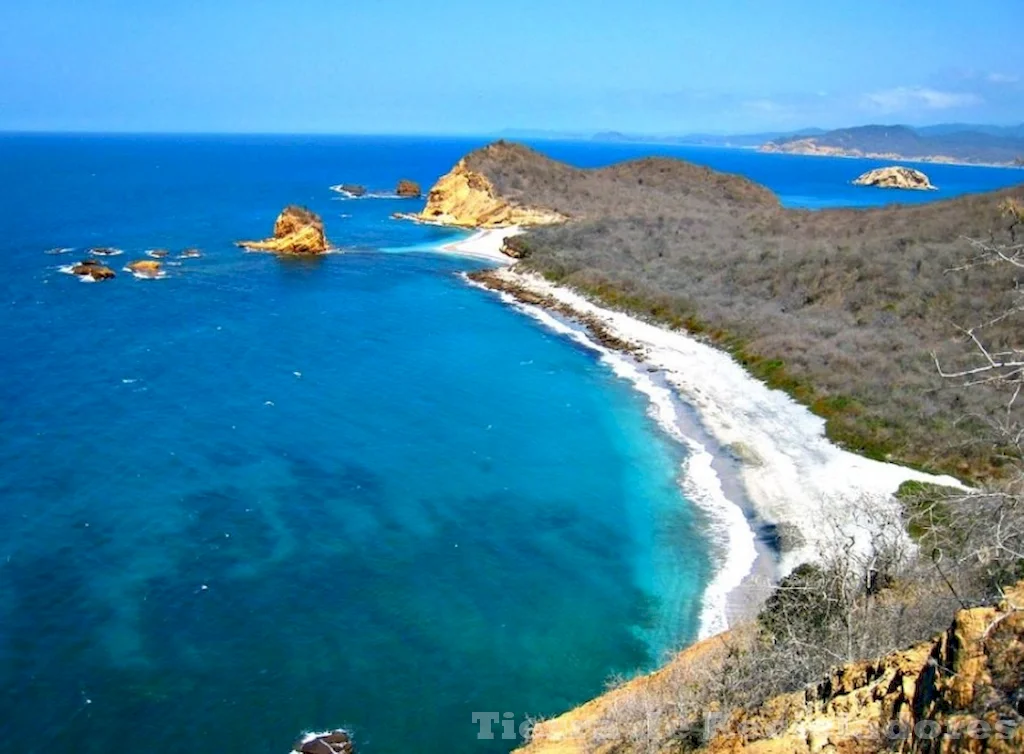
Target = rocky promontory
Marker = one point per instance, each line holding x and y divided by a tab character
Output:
467	198
298	230
895	177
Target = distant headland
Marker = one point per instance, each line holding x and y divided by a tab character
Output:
954	143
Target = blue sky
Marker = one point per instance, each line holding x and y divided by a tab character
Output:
461	66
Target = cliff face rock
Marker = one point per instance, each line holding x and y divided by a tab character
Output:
468	198
297	231
895	177
963	691
408	189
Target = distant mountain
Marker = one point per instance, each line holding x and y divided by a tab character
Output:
943	129
705	140
995	145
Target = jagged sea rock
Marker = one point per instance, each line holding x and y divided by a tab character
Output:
351	189
332	742
90	268
466	198
297	231
895	177
408	189
157	253
145	268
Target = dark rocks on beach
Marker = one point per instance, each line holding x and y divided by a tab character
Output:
598	330
408	189
335	742
90	268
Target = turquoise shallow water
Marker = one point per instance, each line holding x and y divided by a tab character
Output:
259	497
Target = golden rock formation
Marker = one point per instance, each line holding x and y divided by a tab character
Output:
147	268
297	231
468	199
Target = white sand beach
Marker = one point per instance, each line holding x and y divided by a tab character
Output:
484	244
791	473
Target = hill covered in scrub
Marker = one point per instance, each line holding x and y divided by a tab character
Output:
840	308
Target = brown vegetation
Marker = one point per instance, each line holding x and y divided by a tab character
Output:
840	308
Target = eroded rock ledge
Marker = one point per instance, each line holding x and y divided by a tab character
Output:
467	198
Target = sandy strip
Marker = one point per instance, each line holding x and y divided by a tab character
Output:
484	244
790	472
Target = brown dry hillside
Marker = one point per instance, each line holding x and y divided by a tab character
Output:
840	308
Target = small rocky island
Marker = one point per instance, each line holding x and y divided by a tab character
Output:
332	742
407	189
298	230
895	177
90	268
145	268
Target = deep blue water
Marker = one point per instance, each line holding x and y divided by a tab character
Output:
263	496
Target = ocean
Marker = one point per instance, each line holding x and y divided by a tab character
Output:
259	496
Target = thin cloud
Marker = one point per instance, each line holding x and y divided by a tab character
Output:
905	98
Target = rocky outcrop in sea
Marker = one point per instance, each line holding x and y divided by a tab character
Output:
895	177
297	230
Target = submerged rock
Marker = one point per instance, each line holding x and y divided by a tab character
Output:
334	742
157	253
190	254
297	231
144	268
895	177
90	268
408	189
104	251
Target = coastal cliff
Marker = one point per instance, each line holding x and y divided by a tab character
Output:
467	198
958	692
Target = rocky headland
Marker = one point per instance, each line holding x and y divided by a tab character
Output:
674	264
297	230
467	197
896	177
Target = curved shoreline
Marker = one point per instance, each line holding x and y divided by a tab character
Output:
789	475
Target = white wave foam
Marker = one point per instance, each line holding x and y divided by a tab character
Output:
733	541
60	250
368	195
145	275
105	252
67	269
